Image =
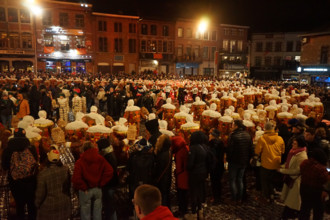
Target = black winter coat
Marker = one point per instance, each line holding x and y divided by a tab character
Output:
218	149
240	148
197	158
6	107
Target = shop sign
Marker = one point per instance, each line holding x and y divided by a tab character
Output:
158	56
59	30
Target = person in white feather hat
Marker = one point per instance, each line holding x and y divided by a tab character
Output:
99	119
163	128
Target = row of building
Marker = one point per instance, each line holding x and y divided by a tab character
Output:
71	37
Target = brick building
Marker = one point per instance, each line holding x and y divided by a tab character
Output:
116	40
195	50
315	57
65	37
16	36
275	55
156	45
233	50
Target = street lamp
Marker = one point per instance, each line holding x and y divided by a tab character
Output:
35	10
202	26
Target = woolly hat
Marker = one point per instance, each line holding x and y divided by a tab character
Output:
53	155
103	143
269	126
19	132
152	126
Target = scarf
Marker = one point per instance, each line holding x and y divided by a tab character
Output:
291	154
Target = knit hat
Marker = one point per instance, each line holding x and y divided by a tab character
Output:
269	126
53	155
152	126
19	132
103	143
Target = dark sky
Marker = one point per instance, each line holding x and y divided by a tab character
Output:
260	15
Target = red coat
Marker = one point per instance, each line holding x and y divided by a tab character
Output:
160	213
91	170
180	149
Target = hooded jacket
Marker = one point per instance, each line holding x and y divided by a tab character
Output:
91	171
180	149
160	213
24	108
271	147
239	150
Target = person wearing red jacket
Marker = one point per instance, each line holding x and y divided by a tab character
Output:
147	204
180	149
91	172
314	175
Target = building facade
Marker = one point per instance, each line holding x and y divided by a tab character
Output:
233	50
156	45
16	36
116	40
65	37
69	37
315	57
275	55
195	50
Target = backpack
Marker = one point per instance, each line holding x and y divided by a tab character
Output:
22	164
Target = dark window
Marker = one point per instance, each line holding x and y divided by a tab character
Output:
164	46
289	46
3	40
277	61
118	45
27	41
165	30
143	46
160	46
12	15
47	18
80	21
118	27
259	47
205	52
102	26
132	45
153	29
269	46
298	46
48	39
278	46
64	19
268	61
14	40
257	61
2	14
25	16
132	28
214	35
103	44
144	29
324	55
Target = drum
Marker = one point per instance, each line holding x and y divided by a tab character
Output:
168	115
79	133
178	121
240	101
208	122
198	111
133	116
187	131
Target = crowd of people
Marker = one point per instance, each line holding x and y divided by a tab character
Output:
139	130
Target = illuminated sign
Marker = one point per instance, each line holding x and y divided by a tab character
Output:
59	30
316	69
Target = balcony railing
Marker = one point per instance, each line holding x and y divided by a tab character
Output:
186	59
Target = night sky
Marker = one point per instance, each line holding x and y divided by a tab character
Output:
260	15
